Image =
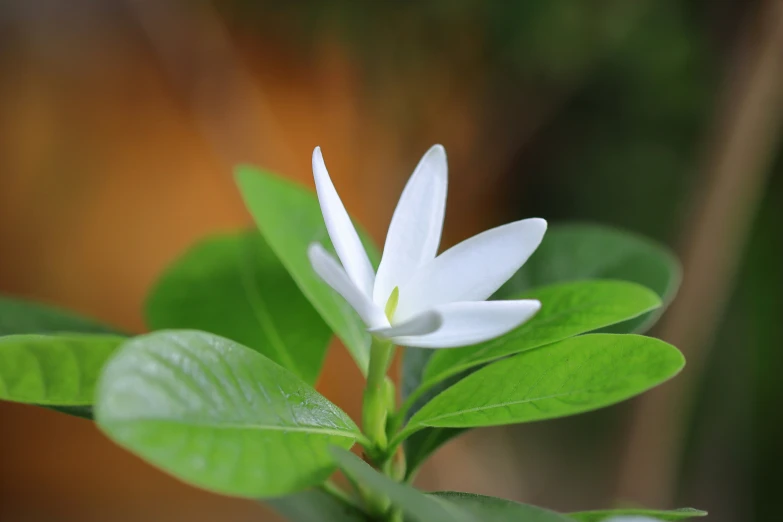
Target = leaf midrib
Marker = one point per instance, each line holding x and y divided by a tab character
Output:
475	358
238	426
498	405
258	305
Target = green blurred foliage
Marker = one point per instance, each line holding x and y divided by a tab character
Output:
734	450
632	135
761	287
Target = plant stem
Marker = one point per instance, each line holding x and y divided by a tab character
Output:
375	403
339	493
395	515
398	439
378	401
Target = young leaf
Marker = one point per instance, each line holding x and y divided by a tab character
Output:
219	415
492	509
601	515
573	252
55	371
18	316
233	285
414	360
573	376
423	443
289	218
417	505
567	310
315	506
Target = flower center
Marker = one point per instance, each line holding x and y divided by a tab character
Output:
391	304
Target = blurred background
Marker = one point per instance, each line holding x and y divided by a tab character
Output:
121	120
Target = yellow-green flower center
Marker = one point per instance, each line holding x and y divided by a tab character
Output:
391	304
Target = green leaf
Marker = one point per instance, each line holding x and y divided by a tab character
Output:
219	415
492	509
573	376
55	371
290	218
417	505
567	310
315	506
573	252
601	515
233	285
18	316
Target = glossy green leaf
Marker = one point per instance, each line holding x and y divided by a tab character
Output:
492	509
568	253
567	309
315	506
18	316
601	515
219	415
416	505
233	285
573	252
289	218
573	376
55	371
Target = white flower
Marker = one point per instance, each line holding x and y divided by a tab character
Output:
416	298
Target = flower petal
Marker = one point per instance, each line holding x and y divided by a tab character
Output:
341	230
422	324
415	229
469	323
333	274
472	270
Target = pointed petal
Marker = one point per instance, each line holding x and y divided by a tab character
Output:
415	229
472	270
469	323
341	231
333	274
422	324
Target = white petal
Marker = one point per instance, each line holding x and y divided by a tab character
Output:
333	274
341	231
472	270
422	324
473	322
415	229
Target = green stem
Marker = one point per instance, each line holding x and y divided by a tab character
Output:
399	438
395	515
339	493
374	407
